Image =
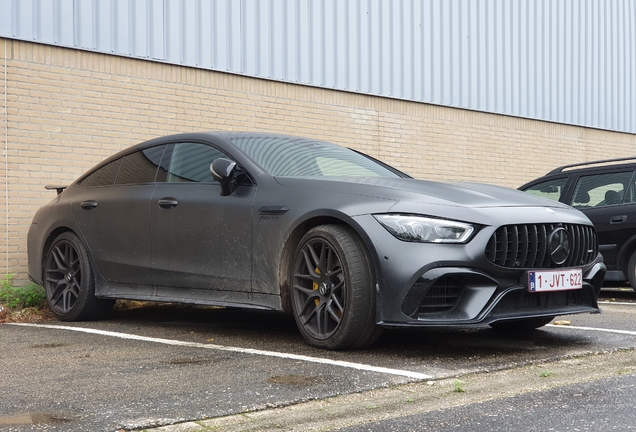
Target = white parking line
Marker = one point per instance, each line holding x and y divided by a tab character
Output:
626	332
345	364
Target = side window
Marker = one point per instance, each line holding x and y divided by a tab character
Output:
601	190
190	162
104	176
630	196
551	189
140	167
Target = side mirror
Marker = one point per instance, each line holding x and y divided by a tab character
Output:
222	170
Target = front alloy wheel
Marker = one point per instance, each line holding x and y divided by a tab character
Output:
333	298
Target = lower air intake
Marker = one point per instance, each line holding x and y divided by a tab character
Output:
443	296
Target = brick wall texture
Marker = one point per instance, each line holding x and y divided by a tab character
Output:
63	110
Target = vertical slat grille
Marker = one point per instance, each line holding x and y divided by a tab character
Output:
442	296
527	246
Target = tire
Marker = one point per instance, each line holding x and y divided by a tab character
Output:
69	281
526	324
631	271
333	295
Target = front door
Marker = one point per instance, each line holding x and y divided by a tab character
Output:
608	200
199	238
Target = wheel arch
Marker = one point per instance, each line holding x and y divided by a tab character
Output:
294	239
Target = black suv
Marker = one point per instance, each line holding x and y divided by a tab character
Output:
606	192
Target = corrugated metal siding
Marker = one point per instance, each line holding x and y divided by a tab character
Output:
568	61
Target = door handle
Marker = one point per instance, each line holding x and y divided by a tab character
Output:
618	219
167	203
88	205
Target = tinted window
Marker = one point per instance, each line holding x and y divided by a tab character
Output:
104	176
162	171
291	156
601	189
630	196
551	189
140	167
190	162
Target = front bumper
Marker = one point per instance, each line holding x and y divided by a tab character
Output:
430	285
452	296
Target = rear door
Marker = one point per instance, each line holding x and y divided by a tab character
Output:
199	238
112	215
608	199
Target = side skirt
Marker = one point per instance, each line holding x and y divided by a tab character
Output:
110	290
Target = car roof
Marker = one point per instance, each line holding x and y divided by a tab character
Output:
225	135
600	164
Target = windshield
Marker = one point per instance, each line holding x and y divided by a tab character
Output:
292	156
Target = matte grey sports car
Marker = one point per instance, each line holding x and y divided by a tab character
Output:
346	243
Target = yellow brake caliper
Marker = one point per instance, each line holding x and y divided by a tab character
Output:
314	286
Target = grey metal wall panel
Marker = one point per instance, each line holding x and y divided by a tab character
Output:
568	61
6	16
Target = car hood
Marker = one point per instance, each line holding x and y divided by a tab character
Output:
469	202
467	195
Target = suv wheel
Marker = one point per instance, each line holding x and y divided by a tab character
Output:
631	271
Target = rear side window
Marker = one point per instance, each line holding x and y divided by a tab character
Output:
551	189
104	176
140	167
136	168
601	190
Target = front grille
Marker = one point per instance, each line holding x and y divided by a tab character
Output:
442	296
526	246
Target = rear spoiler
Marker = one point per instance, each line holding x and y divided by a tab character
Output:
57	188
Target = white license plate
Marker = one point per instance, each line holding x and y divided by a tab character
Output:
555	280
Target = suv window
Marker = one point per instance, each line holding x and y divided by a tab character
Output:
190	162
630	196
551	189
600	190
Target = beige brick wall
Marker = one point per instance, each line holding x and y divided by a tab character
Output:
69	109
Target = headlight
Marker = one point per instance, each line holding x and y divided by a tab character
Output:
425	230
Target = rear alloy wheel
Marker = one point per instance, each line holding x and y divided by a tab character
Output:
631	271
69	283
333	297
525	324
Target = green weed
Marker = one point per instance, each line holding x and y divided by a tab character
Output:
17	298
458	387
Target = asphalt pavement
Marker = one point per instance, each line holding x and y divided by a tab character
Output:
166	364
598	405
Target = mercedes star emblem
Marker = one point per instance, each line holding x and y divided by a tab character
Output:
559	245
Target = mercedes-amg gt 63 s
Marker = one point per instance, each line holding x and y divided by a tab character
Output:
344	242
